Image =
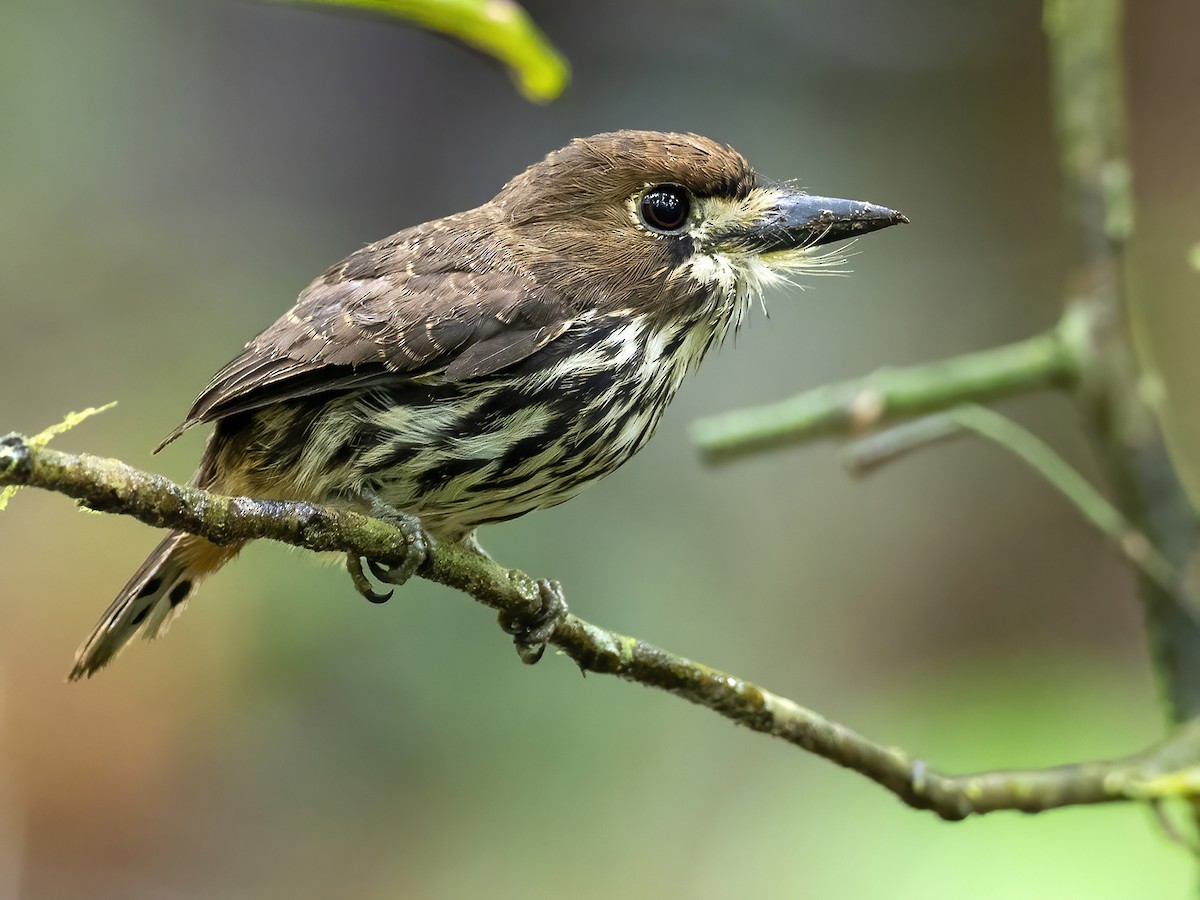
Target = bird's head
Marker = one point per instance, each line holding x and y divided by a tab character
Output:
671	225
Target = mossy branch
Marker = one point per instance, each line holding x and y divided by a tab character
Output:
1170	768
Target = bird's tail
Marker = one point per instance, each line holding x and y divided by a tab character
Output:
153	597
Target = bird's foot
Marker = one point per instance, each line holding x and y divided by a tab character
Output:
531	631
418	547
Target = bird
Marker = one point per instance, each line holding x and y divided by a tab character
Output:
478	367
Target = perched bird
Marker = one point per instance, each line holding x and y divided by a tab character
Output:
481	366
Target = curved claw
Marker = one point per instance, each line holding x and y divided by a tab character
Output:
417	550
361	584
530	653
376	597
382	572
531	633
419	544
414	558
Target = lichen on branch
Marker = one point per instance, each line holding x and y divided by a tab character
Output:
1168	769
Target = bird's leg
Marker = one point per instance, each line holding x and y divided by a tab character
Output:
470	541
531	631
419	545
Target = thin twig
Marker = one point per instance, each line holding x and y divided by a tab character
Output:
890	395
1168	769
873	451
867	454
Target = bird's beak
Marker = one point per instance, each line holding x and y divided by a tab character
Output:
802	220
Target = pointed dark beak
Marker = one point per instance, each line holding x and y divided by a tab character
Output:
802	220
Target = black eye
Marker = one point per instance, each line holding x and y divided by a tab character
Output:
665	207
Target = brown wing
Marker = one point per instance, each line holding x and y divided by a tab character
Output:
377	318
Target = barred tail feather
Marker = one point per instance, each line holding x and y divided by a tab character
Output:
151	599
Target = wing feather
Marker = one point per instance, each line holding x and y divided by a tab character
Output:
383	319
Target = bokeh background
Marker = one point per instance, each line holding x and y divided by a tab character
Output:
173	173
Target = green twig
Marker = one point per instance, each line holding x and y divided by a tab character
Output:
889	395
871	452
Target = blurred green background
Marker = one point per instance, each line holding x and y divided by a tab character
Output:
173	173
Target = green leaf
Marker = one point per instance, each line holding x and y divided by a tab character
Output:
500	28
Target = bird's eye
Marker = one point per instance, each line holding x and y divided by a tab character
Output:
665	207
